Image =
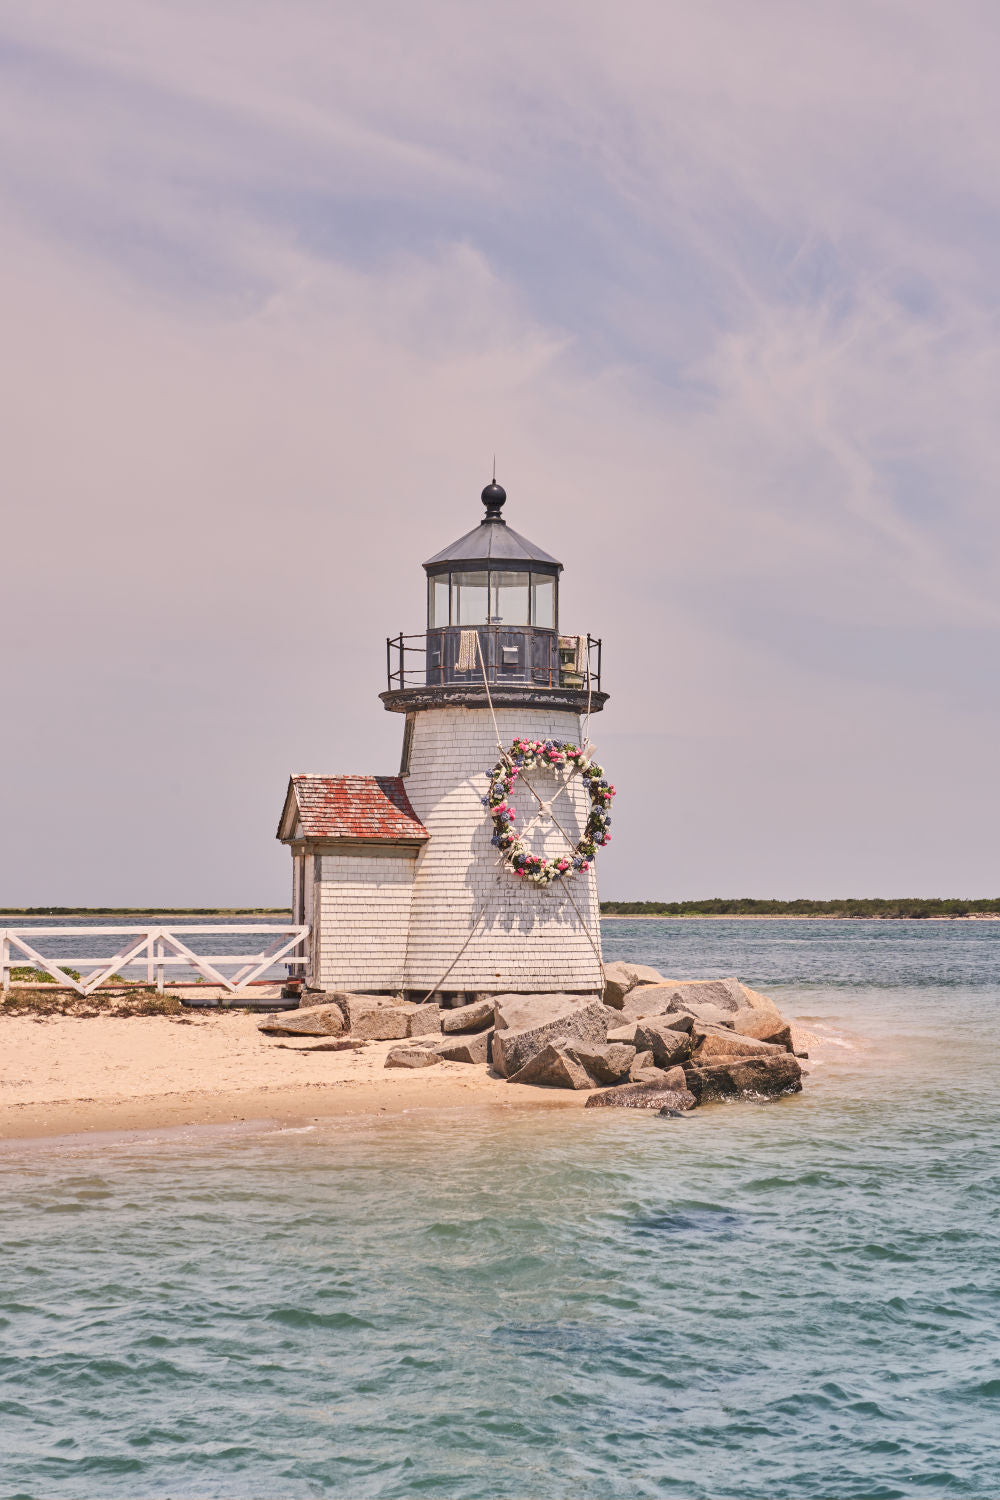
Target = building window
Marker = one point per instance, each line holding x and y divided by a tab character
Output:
437	602
493	598
543	601
509	599
404	760
469	598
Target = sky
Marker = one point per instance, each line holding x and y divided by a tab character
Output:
716	282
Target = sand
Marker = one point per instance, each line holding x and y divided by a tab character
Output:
66	1074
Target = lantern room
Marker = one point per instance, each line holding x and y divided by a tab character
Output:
495	586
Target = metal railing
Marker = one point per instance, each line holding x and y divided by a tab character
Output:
152	948
429	658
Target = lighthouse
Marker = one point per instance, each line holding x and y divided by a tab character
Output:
472	870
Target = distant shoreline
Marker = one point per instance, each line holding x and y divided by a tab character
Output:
924	911
749	916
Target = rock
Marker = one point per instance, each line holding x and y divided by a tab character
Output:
472	1048
475	1017
554	1067
667	1045
715	1043
619	978
425	1020
651	1095
724	994
411	1057
762	1077
647	1000
755	1001
642	1062
316	1020
711	1015
764	1027
624	1033
667	1000
679	1020
310	998
527	1023
381	1023
607	1064
674	1079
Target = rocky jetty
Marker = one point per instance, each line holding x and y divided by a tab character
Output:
647	1043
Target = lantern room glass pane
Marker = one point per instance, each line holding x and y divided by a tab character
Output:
437	602
543	601
469	598
509	598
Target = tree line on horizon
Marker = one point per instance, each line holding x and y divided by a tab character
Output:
750	906
717	906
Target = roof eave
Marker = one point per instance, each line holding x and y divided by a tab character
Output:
525	552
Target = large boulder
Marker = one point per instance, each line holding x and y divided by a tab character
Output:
695	997
424	1020
383	1018
607	1064
670	1000
411	1057
471	1048
527	1023
619	978
673	1078
762	1077
381	1023
475	1017
649	1095
668	1078
310	998
714	1043
317	1020
667	1045
754	1000
624	1033
765	1025
555	1067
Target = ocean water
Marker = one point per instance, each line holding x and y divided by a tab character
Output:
798	1299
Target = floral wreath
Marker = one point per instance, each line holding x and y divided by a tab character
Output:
527	755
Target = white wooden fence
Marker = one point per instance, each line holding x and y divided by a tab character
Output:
158	948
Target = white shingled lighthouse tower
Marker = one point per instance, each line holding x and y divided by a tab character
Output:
471	872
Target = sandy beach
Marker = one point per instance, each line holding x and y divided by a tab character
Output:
65	1074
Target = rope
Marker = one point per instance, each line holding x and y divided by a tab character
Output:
489	699
583	924
565	884
467	641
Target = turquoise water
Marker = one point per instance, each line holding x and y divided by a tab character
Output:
798	1299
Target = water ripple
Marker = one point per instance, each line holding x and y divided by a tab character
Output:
791	1302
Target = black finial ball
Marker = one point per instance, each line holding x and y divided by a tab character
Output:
494	496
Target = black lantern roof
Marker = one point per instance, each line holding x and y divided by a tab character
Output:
493	541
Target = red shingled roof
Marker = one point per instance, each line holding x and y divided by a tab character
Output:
367	809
